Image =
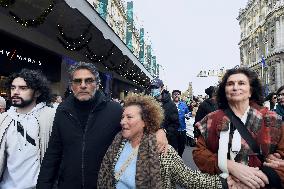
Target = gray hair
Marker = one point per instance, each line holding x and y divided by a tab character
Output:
84	65
2	102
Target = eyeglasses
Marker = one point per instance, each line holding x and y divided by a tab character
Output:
87	81
280	94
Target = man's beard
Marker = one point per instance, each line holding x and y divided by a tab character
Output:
91	97
23	103
176	99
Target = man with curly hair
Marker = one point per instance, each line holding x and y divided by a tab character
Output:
24	129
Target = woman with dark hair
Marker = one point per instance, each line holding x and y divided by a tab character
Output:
236	138
280	106
132	160
270	101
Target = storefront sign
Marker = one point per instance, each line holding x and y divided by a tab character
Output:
13	55
16	54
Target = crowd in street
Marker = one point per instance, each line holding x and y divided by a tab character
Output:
88	141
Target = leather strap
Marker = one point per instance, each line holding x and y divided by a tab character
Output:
244	133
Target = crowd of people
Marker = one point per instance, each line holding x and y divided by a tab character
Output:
88	141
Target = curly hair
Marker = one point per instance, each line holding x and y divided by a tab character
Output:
36	81
84	65
151	111
255	86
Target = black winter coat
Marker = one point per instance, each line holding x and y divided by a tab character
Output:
207	106
171	121
79	152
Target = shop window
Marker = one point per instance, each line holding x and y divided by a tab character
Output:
3	90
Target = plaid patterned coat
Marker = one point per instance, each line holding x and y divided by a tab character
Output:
266	127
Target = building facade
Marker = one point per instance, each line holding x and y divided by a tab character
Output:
262	40
119	15
53	35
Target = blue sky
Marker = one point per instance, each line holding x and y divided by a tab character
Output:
192	35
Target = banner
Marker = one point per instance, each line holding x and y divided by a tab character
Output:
141	44
102	8
154	65
129	27
158	69
149	58
263	61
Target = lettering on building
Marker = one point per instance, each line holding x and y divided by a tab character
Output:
13	55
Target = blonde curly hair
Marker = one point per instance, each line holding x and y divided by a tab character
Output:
151	111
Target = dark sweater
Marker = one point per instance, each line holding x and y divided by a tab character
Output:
83	109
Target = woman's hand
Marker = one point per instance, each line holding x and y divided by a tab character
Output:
250	176
162	142
274	161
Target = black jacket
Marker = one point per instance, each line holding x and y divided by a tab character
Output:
171	121
207	106
79	152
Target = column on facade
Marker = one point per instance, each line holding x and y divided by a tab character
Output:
282	31
278	73
277	34
281	62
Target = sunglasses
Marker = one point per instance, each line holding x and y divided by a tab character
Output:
176	94
87	81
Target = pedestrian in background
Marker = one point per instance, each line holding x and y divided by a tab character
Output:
270	101
171	120
2	104
207	106
55	100
24	130
280	105
183	114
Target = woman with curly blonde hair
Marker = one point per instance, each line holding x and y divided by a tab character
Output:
132	160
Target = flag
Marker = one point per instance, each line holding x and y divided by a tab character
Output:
266	90
263	61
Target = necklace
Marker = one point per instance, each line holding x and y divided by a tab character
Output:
133	154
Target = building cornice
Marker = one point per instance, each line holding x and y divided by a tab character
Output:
244	10
276	52
269	16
